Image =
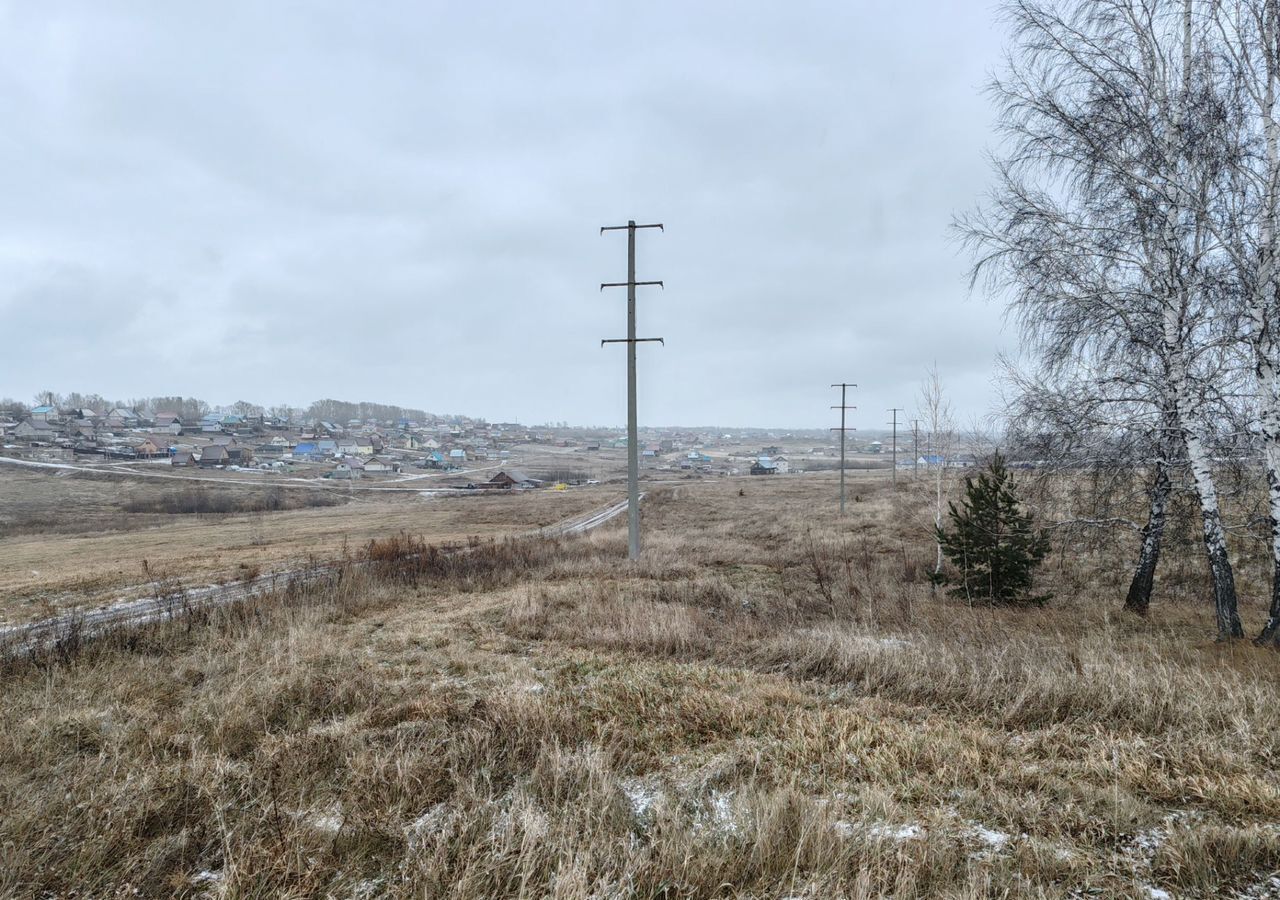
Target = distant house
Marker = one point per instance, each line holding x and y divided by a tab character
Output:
214	455
764	466
44	414
347	469
381	465
327	447
34	430
183	458
306	450
781	464
457	455
513	478
165	419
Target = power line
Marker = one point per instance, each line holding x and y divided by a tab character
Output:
843	385
633	439
895	410
915	449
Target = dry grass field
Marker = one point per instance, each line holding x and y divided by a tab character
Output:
75	541
773	703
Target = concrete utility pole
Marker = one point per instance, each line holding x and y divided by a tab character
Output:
915	449
633	451
895	411
844	385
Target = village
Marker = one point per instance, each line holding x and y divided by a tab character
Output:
296	444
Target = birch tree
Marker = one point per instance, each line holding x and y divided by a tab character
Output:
1244	217
935	412
1098	224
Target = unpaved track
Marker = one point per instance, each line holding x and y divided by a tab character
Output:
31	636
137	470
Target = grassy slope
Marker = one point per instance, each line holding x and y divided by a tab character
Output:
773	704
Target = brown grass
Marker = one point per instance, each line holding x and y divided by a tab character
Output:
774	703
42	572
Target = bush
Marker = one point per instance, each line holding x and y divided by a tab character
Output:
199	501
992	544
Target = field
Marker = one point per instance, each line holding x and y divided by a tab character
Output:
79	540
773	703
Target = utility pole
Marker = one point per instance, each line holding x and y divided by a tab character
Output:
633	439
895	411
844	385
915	449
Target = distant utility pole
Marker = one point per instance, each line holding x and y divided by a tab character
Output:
633	439
844	385
915	449
895	411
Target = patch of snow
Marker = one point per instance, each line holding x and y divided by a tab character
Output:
909	832
330	821
205	875
994	840
641	795
1156	893
426	823
1146	844
722	811
1263	890
721	818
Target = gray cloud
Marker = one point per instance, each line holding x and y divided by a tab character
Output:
399	202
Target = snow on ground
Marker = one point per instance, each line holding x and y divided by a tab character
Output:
641	794
427	823
995	840
719	814
1263	890
330	820
908	832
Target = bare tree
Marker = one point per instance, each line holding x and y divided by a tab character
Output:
935	412
1098	225
1244	218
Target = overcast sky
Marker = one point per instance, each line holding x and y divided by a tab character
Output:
400	202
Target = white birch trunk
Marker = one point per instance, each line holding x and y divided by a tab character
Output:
1261	315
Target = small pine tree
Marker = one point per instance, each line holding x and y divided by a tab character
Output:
992	544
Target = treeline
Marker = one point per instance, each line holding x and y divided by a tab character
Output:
192	409
1133	231
340	411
